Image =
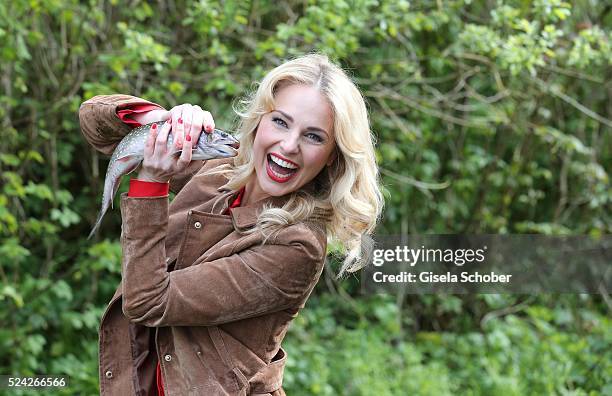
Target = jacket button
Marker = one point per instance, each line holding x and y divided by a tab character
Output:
197	225
167	358
199	353
190	212
108	374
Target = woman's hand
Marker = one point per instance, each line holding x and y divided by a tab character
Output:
194	120
159	163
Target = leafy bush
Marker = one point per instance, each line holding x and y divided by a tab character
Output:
490	117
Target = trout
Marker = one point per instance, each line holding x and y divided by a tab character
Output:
128	156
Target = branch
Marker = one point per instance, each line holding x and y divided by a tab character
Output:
573	73
386	92
398	121
573	102
424	187
505	311
488	62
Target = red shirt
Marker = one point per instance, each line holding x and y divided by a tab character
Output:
140	188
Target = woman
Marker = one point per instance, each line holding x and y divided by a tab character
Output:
211	281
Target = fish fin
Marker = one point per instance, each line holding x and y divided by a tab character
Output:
129	157
133	167
133	163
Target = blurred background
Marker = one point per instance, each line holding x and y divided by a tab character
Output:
490	116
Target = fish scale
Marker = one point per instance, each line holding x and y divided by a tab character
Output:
129	153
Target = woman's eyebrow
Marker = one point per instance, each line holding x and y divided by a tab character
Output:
311	128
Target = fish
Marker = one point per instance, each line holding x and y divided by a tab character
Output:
129	153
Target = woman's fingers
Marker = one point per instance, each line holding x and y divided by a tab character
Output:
150	143
180	129
166	116
185	157
162	139
197	124
209	122
160	164
188	121
195	120
202	122
177	113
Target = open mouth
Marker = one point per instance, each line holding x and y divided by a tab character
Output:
280	170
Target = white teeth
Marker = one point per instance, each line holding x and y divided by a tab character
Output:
282	163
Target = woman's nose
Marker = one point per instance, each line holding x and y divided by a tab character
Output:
290	144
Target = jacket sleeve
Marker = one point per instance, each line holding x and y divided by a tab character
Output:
103	129
100	125
262	279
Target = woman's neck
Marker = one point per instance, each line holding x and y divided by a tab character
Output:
253	193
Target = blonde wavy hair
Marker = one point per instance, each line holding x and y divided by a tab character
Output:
345	198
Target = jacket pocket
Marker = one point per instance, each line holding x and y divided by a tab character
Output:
240	379
243	382
201	232
270	377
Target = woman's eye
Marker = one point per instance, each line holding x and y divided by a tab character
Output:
315	137
279	121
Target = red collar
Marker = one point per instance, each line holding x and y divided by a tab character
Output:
238	201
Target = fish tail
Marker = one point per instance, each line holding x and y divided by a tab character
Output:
101	214
97	225
110	188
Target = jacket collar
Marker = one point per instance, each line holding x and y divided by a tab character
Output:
244	217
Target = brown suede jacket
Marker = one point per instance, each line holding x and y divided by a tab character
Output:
210	301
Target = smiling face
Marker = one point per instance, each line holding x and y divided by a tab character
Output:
292	144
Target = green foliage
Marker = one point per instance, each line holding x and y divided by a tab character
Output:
490	117
339	347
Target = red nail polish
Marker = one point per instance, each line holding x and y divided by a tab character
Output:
209	128
180	120
154	126
188	138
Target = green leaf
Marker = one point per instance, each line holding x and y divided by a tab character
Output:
10	292
65	216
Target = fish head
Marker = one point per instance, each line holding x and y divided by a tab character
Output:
216	144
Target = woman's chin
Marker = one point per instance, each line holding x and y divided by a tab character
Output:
276	190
